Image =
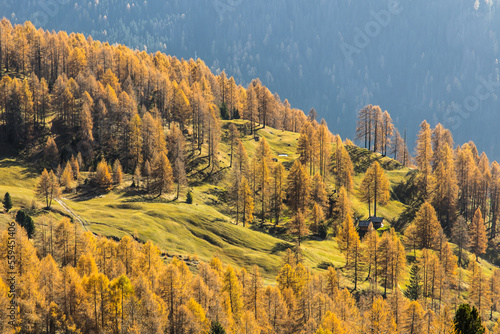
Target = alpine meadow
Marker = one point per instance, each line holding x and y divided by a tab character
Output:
143	193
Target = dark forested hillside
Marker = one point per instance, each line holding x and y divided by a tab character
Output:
426	60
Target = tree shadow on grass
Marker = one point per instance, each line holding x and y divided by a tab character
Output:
325	265
281	247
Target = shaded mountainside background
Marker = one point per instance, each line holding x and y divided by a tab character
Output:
432	60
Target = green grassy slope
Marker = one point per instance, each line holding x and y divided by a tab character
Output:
204	228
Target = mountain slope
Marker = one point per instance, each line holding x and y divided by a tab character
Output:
206	227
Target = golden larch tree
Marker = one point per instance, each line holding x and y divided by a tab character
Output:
477	232
298	189
424	159
298	227
278	184
342	168
247	203
67	177
413	319
375	187
162	174
347	236
446	190
378	319
427	227
135	141
48	187
103	176
318	191
479	292
117	172
263	162
343	205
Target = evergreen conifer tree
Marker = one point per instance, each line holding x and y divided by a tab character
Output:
413	289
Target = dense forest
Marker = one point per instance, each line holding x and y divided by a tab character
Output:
86	114
421	64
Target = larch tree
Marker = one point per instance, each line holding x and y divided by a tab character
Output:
298	227
251	107
424	159
278	180
254	296
263	163
449	264
324	142
494	199
378	319
75	167
176	145
414	319
446	190
213	139
364	125
478	288
494	287
147	173
298	187
477	232
427	227
307	147
135	141
232	288
347	237
233	136
318	191
103	176
331	324
162	174
234	192
460	236
97	287
51	153
317	216
432	275
392	259
375	187
483	185
149	139
343	206
85	122
440	138
465	166
377	128
241	158
117	172
354	259
371	243
121	289
387	132
247	202
276	308
180	174
342	168
48	187
397	304
397	146
67	177
49	282
411	238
